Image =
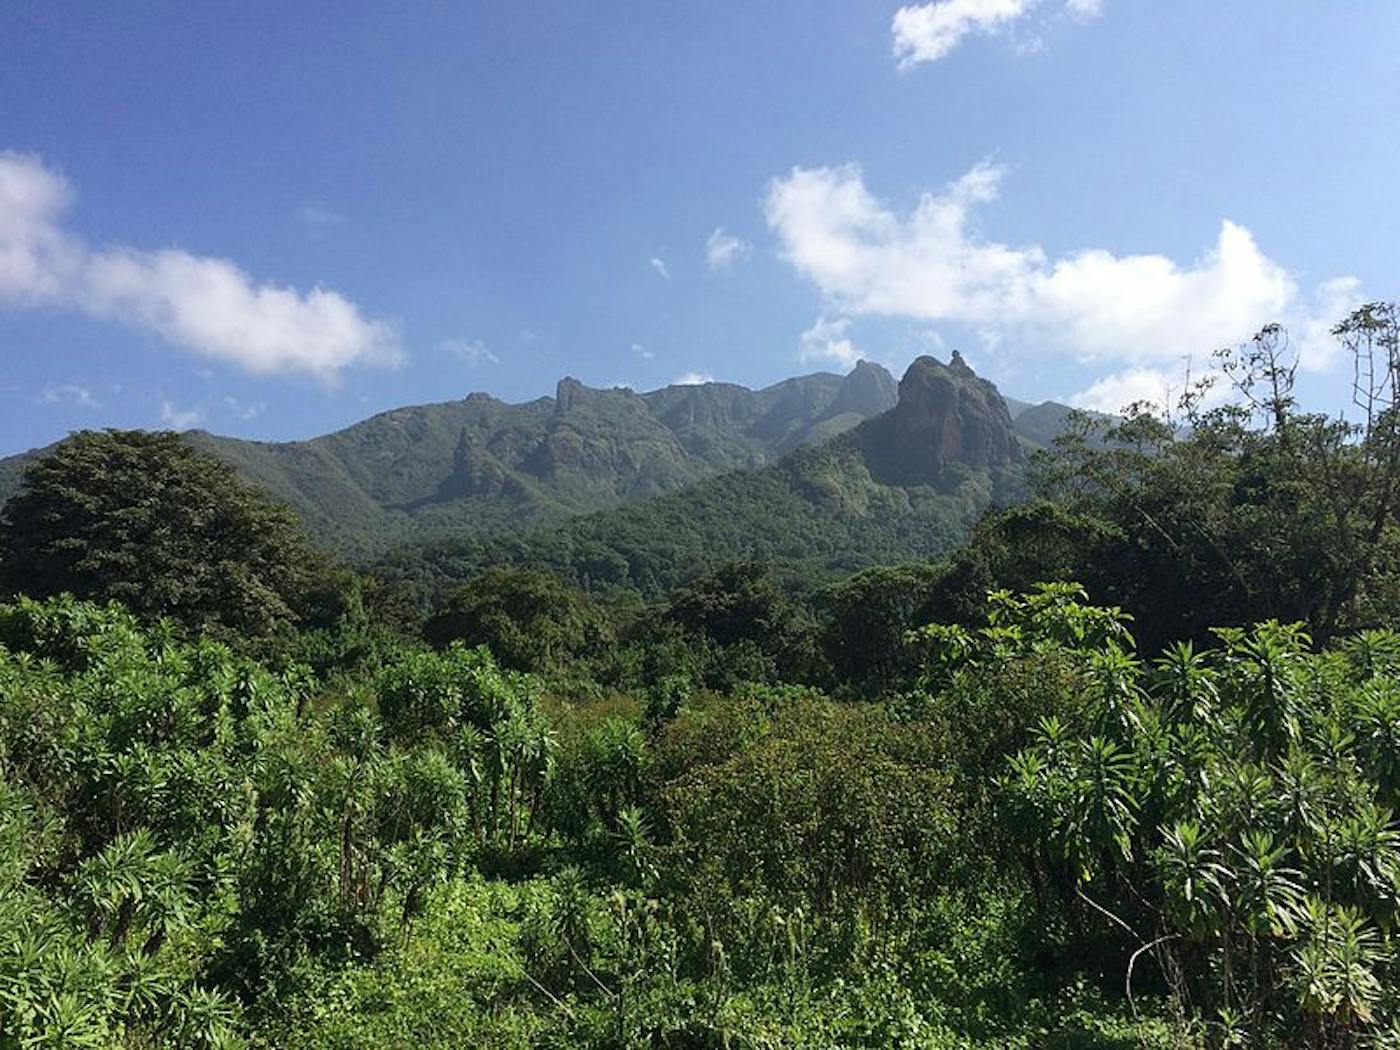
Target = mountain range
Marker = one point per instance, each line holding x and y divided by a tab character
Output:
479	473
906	484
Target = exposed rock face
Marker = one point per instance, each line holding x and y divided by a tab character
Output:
946	414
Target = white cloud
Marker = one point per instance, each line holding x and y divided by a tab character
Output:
934	265
928	32
1116	392
68	394
199	303
642	352
245	412
319	216
692	379
659	265
1311	328
179	418
472	351
1160	389
724	250
829	340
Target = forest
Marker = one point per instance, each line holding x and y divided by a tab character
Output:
1118	767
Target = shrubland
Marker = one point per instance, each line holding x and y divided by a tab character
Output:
967	803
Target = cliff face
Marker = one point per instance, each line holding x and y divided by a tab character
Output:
946	414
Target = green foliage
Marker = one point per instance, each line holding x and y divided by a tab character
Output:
1219	809
641	819
741	609
180	835
1256	510
477	466
144	519
455	980
828	807
865	620
531	621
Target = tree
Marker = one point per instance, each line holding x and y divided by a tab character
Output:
866	617
743	609
530	620
145	519
1253	509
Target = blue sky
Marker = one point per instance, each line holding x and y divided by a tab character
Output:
272	220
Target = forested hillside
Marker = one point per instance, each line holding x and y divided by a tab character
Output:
905	485
1122	769
480	467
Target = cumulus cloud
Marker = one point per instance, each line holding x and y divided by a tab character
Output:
1154	386
472	351
1311	328
724	250
829	341
692	379
659	265
199	303
179	418
1159	389
928	32
642	352
933	264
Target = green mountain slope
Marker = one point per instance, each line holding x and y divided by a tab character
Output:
480	466
906	484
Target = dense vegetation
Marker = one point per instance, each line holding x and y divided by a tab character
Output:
479	466
905	485
934	804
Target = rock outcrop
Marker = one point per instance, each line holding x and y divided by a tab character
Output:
946	415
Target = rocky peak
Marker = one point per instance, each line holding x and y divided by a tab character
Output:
946	414
568	393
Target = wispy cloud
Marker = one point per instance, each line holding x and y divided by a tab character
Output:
180	418
642	352
319	216
68	394
245	412
928	32
199	303
473	351
724	250
659	265
829	340
1093	305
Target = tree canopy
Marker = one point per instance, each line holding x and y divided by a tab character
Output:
144	519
